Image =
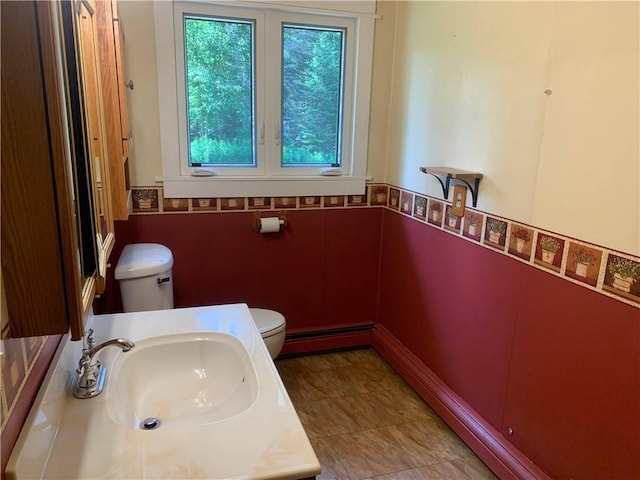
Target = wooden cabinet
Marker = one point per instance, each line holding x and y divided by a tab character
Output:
48	236
114	89
57	221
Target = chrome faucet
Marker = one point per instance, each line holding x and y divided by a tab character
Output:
91	374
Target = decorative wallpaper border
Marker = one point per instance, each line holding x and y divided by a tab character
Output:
16	361
609	272
149	200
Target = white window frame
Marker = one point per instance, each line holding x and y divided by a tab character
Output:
348	25
268	178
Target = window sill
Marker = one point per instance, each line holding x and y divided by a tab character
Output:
194	187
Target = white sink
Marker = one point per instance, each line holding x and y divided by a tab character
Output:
207	376
181	380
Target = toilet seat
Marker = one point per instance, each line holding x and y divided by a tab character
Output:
269	322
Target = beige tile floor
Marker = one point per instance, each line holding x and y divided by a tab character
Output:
365	422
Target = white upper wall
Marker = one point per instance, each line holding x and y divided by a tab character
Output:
381	79
463	84
468	91
140	66
589	166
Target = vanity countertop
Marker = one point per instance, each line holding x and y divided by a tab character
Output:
65	437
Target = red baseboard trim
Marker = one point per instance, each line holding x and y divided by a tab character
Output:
507	462
326	342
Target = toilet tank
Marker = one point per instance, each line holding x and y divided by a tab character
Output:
145	276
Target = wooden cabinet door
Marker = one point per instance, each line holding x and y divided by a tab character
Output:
114	91
41	278
123	83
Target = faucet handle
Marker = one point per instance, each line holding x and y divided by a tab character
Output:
90	340
81	368
84	363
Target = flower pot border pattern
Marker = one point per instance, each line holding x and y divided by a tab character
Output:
406	202
549	257
496	233
175	204
377	195
394	198
420	208
473	223
146	200
583	263
452	222
520	241
434	212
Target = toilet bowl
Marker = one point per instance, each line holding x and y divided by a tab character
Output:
144	272
271	326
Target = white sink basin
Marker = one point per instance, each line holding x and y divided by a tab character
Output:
207	376
180	380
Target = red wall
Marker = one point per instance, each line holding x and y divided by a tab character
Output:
319	272
557	363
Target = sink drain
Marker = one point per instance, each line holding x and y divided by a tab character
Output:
150	423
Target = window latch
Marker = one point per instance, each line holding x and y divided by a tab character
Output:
262	132
331	172
277	125
202	172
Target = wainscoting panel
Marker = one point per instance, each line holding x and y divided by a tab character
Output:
527	360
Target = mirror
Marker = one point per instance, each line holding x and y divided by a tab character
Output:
87	37
80	152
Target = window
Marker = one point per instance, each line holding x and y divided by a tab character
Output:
220	112
262	101
312	94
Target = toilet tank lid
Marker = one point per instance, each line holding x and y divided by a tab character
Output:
142	260
267	320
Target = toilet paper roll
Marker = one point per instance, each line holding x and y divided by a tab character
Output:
269	225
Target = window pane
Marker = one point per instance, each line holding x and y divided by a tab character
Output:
220	105
312	59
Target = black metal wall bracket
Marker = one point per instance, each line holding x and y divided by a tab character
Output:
449	174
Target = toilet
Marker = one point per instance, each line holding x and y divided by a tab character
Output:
145	276
144	272
271	326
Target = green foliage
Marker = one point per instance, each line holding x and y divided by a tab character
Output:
305	156
210	151
220	92
496	226
145	194
583	255
549	244
624	267
311	95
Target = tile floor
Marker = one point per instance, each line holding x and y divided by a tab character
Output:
365	422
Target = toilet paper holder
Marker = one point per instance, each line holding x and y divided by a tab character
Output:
282	217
